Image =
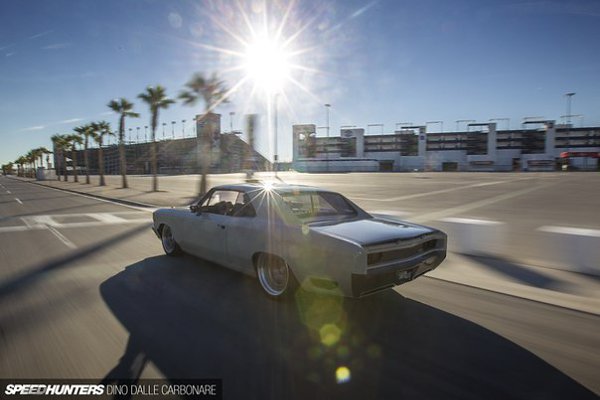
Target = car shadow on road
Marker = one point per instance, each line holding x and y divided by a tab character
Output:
193	319
521	273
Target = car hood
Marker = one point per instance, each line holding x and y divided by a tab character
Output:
372	230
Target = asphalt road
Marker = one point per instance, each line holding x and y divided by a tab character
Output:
85	291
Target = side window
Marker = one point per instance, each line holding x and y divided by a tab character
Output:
243	206
220	202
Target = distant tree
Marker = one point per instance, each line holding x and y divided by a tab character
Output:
20	162
124	109
60	144
73	141
85	132
214	92
156	99
99	130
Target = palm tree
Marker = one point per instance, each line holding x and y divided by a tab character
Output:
214	92
124	109
99	130
156	99
85	132
73	141
20	161
60	145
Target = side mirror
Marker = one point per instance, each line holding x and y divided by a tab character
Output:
194	208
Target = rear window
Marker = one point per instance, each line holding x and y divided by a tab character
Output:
318	205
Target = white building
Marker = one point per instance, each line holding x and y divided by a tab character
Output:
538	146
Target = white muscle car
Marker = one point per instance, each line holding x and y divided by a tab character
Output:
289	235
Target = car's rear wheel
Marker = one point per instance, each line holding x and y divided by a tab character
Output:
274	276
169	244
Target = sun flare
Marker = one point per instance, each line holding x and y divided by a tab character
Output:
267	64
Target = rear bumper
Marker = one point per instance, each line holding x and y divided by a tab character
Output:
384	278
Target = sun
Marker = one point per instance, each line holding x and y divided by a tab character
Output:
267	63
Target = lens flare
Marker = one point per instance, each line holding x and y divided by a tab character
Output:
342	374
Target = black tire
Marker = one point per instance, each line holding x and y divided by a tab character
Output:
169	244
275	276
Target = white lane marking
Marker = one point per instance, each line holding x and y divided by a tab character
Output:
18	200
62	238
476	204
8	191
20	228
567	230
471	221
413	196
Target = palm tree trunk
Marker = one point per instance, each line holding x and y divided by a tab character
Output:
123	161
153	154
87	162
74	159
101	165
64	165
123	165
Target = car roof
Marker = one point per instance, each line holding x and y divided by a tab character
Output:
279	187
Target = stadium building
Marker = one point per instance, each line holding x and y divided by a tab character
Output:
541	145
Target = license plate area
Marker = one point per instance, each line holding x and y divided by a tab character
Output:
405	275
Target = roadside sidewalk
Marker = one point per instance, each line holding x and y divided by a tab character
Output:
551	286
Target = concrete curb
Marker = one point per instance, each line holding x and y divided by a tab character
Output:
97	196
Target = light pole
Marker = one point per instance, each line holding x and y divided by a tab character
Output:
130	129
173	129
231	114
569	96
183	128
275	155
327	106
164	124
137	135
146	133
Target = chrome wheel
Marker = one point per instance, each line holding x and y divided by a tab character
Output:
168	242
273	274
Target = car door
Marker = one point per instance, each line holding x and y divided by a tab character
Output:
205	232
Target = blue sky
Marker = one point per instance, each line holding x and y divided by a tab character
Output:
375	62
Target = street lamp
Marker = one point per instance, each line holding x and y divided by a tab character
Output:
569	96
130	129
173	129
327	106
183	128
137	135
146	133
164	124
232	113
275	155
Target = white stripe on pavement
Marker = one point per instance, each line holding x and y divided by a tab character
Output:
18	200
567	230
62	238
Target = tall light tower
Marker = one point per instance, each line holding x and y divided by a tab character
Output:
327	107
183	128
137	134
130	129
146	133
164	124
569	96
231	114
173	129
275	155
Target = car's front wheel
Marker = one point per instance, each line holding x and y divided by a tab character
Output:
169	244
274	276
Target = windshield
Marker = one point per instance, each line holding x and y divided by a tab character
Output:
313	206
